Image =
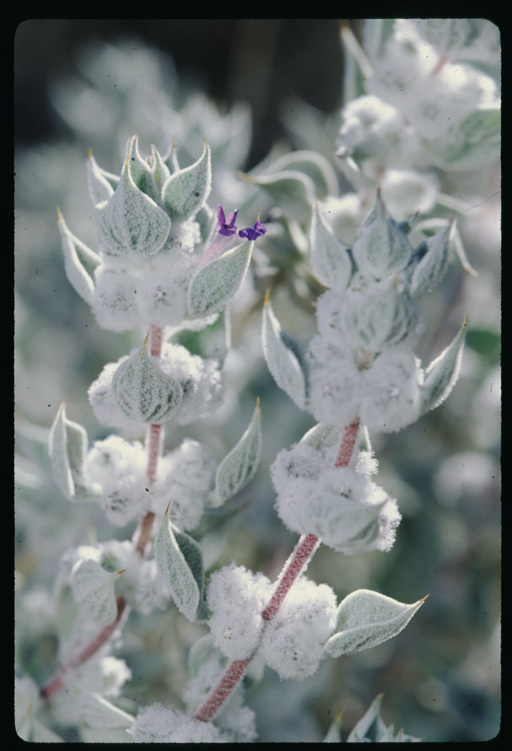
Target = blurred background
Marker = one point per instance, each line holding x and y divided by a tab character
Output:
254	88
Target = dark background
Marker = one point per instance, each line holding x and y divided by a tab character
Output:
260	61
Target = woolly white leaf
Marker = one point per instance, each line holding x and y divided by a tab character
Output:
381	248
180	563
240	465
329	257
68	449
79	262
366	619
143	392
93	587
442	373
282	361
432	266
130	223
185	191
214	285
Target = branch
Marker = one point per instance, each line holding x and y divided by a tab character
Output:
294	566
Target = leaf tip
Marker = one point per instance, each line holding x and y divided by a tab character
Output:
266	300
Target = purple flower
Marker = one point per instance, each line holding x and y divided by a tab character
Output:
226	229
251	233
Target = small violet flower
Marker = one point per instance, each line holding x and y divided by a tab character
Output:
226	230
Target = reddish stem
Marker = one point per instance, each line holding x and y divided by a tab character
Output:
155	340
347	445
294	566
438	67
234	673
57	681
155	441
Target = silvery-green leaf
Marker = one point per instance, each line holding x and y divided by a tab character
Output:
100	713
333	735
79	262
93	587
313	165
68	447
185	191
141	172
240	465
160	169
215	284
282	357
143	392
101	184
291	190
366	619
329	257
431	268
476	144
372	729
442	373
381	248
179	560
130	223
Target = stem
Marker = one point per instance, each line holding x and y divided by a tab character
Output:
233	674
154	447
294	566
57	681
155	340
347	445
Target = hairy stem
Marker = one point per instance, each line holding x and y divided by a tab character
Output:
154	448
294	566
56	682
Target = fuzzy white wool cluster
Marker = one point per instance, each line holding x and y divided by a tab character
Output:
154	291
236	598
185	477
434	104
340	505
115	470
158	724
292	642
386	396
200	381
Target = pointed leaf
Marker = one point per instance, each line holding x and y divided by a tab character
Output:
79	262
292	191
179	560
313	165
240	465
366	619
442	373
98	712
68	447
140	171
214	285
93	587
329	258
433	265
185	191
101	184
143	392
381	248
130	223
282	357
